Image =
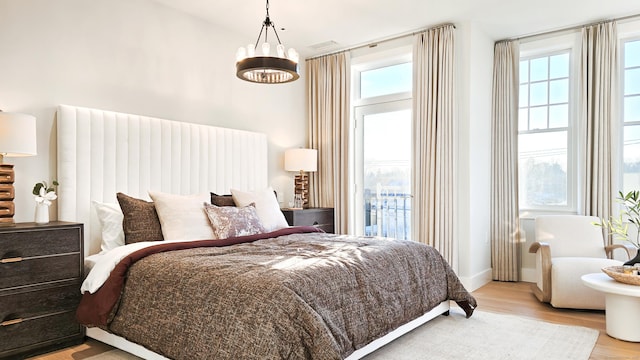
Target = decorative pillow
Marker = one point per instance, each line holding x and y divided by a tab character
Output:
182	216
110	217
267	207
222	200
230	221
140	221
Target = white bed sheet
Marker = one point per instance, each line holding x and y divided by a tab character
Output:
90	261
107	261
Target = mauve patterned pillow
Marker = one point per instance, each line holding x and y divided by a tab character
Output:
140	221
230	221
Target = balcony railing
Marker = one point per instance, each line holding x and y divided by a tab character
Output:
387	213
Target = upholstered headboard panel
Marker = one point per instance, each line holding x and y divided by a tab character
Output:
101	153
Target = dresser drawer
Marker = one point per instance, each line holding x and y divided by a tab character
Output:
31	271
45	300
39	332
30	243
313	217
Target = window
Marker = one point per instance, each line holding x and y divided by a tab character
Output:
382	166
631	115
544	133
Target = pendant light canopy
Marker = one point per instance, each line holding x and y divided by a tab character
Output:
265	68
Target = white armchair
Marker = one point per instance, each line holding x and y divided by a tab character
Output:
567	247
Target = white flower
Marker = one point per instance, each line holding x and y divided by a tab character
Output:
45	197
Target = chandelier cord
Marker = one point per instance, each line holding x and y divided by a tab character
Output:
268	24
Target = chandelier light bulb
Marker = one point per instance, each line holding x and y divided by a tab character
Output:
251	50
280	50
293	55
266	49
241	54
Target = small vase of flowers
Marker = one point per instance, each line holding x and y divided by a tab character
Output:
44	194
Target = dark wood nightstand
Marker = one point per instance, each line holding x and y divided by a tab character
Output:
40	277
318	217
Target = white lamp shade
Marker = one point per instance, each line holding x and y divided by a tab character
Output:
301	160
17	134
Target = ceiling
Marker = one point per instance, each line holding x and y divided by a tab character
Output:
351	23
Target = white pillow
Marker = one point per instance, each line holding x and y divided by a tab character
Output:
110	217
182	216
266	204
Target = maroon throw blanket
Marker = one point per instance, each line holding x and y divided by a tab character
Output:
95	309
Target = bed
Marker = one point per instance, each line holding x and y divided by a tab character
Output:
281	292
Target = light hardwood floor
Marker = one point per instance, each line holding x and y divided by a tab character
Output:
501	297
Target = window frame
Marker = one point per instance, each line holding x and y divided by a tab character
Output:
546	48
360	113
622	123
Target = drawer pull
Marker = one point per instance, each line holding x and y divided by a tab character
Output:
11	260
11	322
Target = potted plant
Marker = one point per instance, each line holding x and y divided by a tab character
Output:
618	227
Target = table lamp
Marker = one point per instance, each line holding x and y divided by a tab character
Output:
301	160
17	138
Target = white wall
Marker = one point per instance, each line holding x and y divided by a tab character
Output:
133	56
474	54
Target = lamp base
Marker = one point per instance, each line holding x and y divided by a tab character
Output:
7	222
7	193
301	186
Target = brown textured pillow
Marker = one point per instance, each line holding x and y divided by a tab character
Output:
140	221
222	200
228	221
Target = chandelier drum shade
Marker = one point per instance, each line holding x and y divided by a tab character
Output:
264	68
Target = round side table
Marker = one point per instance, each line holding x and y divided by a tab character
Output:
622	306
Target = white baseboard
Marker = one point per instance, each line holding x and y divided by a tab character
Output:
528	274
472	283
476	281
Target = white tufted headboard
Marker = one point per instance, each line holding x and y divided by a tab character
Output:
101	153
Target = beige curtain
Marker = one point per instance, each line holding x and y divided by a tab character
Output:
328	93
598	74
505	224
434	170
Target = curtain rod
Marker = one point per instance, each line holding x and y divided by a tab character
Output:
383	40
567	29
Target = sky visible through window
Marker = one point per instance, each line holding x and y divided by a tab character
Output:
386	80
390	125
631	116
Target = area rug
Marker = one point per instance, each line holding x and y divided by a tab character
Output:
490	336
483	336
115	354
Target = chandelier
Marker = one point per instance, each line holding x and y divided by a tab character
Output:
265	68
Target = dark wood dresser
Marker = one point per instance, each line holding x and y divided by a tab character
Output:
40	277
318	217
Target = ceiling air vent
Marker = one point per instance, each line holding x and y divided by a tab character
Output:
325	46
